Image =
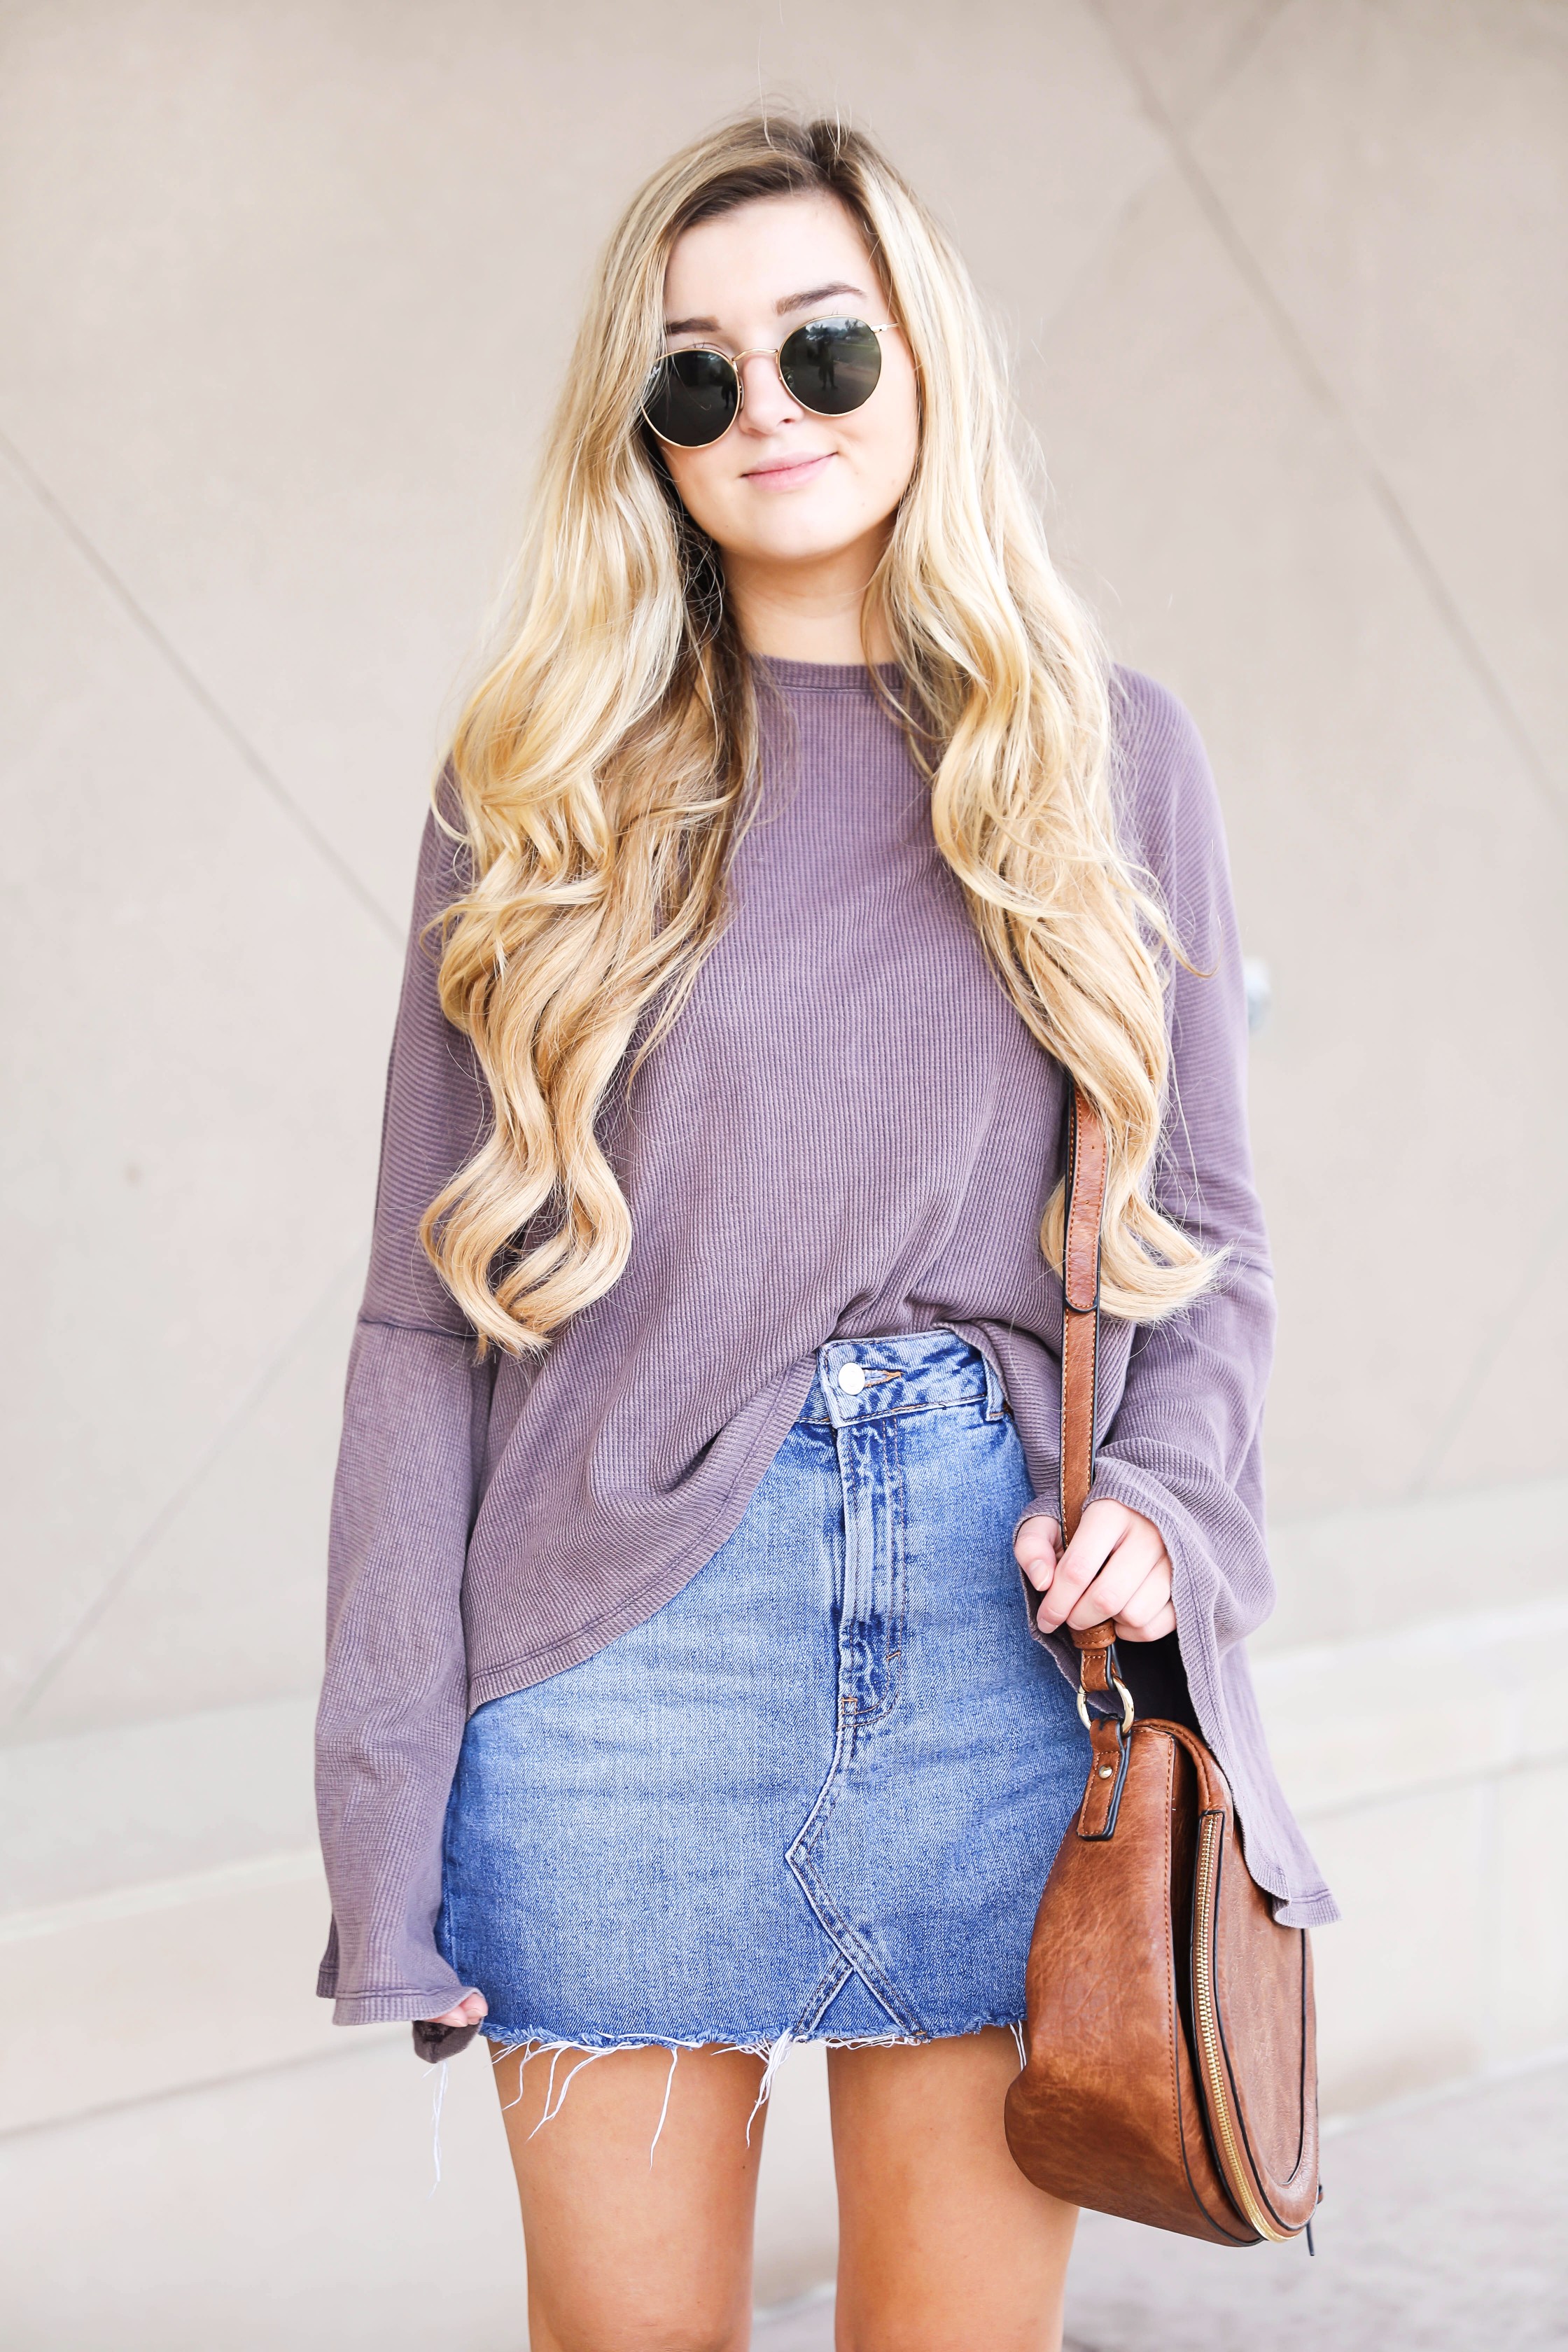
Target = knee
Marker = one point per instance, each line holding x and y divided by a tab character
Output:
684	2334
643	2330
653	2335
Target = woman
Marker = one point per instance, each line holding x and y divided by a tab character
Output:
680	1699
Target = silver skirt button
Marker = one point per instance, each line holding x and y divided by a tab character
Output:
852	1378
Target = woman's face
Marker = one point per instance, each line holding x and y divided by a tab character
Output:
785	486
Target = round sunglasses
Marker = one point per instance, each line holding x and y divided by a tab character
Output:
831	366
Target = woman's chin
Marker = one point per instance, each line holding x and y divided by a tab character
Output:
800	535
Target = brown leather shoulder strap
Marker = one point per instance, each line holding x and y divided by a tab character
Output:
1081	1303
1080	1337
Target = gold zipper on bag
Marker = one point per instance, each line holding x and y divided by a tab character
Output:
1208	2030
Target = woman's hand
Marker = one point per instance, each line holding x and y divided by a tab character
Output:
1116	1566
468	2012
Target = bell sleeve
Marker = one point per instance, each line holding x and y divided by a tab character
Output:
394	1694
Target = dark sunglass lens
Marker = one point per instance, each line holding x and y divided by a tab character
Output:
693	397
832	365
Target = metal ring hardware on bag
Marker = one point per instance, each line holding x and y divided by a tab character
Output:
1116	1684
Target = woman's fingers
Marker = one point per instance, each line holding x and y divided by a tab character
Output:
1115	1564
1148	1614
1115	1567
1113	1591
1109	1592
1035	1548
468	2012
1155	1630
1102	1528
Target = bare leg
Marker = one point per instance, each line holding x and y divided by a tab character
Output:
626	2256
943	2245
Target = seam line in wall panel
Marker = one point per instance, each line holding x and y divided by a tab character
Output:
1251	37
374	2043
1297	349
146	1899
120	1577
174	661
1036	342
1482	1776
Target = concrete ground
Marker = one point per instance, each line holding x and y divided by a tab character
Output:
1442	2231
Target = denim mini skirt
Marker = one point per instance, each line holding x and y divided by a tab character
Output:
815	1797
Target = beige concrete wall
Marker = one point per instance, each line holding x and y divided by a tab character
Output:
288	289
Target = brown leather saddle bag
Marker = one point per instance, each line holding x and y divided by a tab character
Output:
1171	2069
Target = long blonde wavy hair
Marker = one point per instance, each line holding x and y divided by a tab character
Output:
605	764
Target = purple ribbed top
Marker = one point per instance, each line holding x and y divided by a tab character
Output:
847	1132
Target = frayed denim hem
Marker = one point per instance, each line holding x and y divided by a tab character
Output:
526	2047
536	2042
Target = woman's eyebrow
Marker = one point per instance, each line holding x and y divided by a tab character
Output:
781	309
815	294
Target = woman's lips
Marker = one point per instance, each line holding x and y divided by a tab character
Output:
790	474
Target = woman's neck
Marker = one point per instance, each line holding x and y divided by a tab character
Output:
812	611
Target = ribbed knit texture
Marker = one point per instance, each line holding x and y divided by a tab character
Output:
847	1132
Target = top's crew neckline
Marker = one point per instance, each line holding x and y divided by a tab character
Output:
823	678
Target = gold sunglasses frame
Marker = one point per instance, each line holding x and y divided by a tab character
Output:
737	361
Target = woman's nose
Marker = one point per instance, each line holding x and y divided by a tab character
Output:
768	402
